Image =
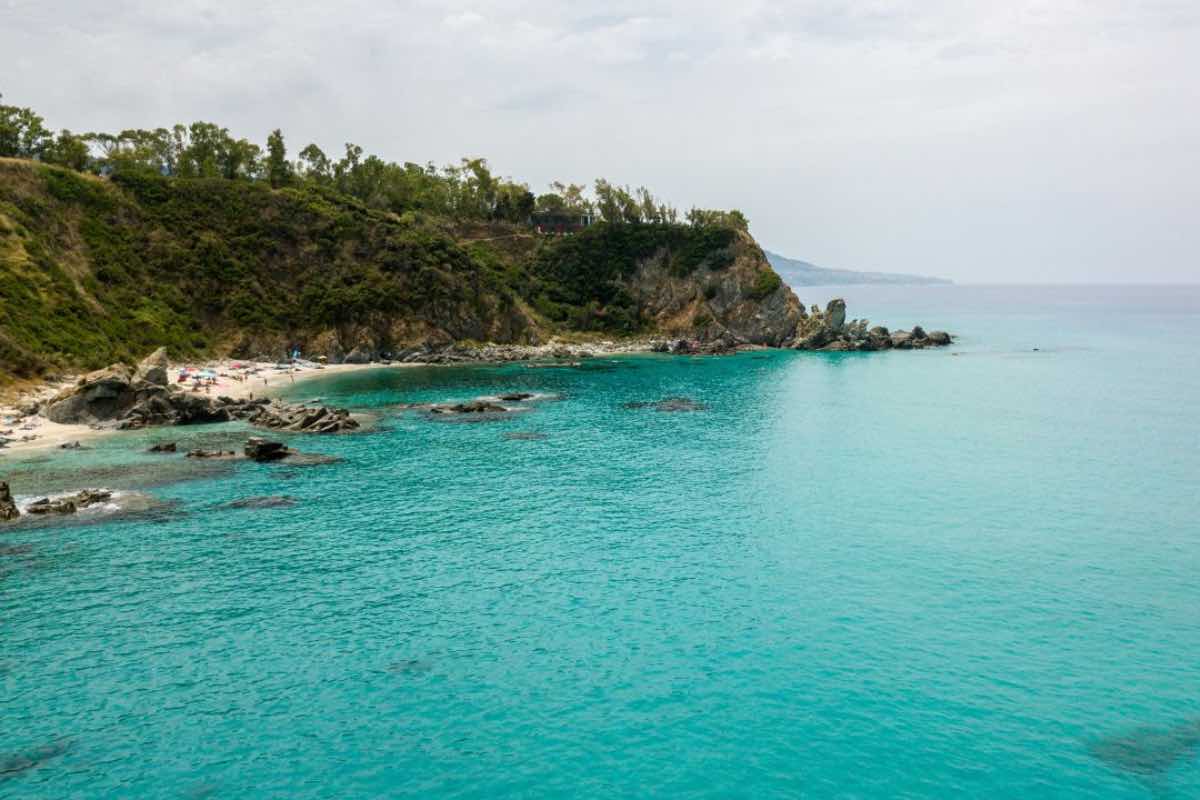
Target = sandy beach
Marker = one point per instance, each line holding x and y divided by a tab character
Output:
247	379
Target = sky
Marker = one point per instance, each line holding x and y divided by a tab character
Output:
981	141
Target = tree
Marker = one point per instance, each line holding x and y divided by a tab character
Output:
279	171
22	134
315	164
551	203
202	156
68	150
241	159
608	201
647	206
702	217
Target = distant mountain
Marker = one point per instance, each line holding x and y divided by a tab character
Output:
802	273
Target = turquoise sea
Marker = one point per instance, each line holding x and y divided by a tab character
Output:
969	573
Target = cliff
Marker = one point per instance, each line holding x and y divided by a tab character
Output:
95	271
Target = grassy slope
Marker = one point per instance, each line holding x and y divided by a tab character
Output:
93	271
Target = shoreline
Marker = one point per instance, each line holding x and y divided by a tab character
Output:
237	379
267	381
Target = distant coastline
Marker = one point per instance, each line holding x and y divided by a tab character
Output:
803	273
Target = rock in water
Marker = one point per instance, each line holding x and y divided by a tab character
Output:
258	449
8	509
48	506
299	418
70	503
163	447
153	369
90	497
211	454
828	330
471	407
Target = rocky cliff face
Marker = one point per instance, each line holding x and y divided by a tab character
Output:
732	294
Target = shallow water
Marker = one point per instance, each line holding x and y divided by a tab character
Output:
923	574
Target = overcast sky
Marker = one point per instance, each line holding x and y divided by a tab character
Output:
982	141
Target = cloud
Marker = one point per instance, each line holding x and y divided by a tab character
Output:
463	19
967	139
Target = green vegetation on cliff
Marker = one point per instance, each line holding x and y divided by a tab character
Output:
112	245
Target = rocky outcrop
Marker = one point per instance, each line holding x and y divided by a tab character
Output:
472	407
68	504
259	449
201	453
732	295
153	368
99	396
828	330
8	508
722	344
278	415
144	398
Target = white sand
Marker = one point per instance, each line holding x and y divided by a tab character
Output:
260	380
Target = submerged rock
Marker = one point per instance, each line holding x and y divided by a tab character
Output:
268	501
163	447
17	763
1149	752
525	436
670	404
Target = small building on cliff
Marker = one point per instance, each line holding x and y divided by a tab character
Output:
561	223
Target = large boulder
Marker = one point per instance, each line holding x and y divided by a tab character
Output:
99	396
153	369
359	355
8	508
